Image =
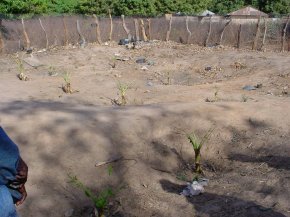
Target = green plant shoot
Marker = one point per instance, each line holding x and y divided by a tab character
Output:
197	144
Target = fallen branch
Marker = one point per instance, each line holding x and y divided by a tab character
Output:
112	160
108	161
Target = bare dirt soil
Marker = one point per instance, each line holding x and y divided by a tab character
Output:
181	88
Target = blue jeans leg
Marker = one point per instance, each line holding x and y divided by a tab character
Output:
7	207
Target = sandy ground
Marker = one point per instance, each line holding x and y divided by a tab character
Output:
246	160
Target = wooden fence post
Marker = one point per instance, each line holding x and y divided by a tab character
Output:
98	32
82	38
137	30
224	29
111	26
187	29
143	30
284	34
239	37
25	35
149	29
65	32
254	47
1	42
208	33
169	29
265	33
125	28
44	33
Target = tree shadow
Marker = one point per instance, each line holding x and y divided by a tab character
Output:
278	162
66	138
213	205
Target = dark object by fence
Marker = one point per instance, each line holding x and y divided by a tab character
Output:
124	41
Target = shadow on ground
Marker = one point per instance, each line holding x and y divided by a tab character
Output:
213	205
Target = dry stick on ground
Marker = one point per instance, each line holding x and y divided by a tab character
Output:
254	47
239	36
223	32
143	30
169	29
137	30
25	35
111	26
149	29
83	40
98	32
125	28
65	32
114	159
187	29
265	33
208	33
44	33
284	34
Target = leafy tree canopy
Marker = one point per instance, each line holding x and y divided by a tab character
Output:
138	7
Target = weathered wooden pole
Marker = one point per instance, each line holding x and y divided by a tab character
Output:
98	32
284	34
239	36
187	29
44	33
169	29
82	38
111	26
65	31
1	43
143	30
254	47
125	28
149	29
25	35
224	29
265	33
137	30
208	33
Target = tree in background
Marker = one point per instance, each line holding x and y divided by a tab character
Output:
224	7
62	6
138	7
24	6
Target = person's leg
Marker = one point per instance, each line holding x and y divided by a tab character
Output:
7	207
